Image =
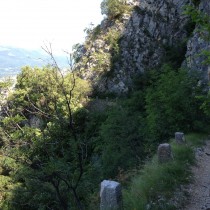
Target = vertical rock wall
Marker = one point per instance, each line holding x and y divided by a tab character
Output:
196	44
143	39
153	26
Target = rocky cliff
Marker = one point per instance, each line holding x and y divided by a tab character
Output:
122	48
196	45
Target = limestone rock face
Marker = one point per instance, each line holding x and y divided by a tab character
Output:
141	41
196	45
119	50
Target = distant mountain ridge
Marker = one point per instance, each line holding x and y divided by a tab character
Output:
13	59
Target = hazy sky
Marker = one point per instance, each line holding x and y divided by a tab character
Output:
29	23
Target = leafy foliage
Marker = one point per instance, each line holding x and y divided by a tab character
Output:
201	19
171	103
123	143
55	149
48	156
114	8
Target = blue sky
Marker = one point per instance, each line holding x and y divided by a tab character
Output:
30	23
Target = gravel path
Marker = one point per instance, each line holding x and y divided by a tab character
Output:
199	191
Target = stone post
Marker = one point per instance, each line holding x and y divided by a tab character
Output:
179	137
164	153
111	195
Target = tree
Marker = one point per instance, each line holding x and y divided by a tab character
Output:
51	159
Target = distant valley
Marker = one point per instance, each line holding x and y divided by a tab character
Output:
13	59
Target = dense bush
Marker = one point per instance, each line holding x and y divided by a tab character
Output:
171	103
63	156
123	141
154	187
50	165
114	8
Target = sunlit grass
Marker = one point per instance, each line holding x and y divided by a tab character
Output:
156	183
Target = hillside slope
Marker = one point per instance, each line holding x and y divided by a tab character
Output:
13	59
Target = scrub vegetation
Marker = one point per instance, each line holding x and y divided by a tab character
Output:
56	147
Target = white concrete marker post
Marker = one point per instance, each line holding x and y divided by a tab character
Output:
111	195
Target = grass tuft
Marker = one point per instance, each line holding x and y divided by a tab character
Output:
156	183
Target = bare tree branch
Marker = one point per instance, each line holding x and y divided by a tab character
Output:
68	95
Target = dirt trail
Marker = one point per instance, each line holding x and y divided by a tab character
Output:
199	191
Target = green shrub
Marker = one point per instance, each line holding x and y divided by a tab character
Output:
112	38
122	141
102	61
171	103
200	18
96	32
114	8
45	161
